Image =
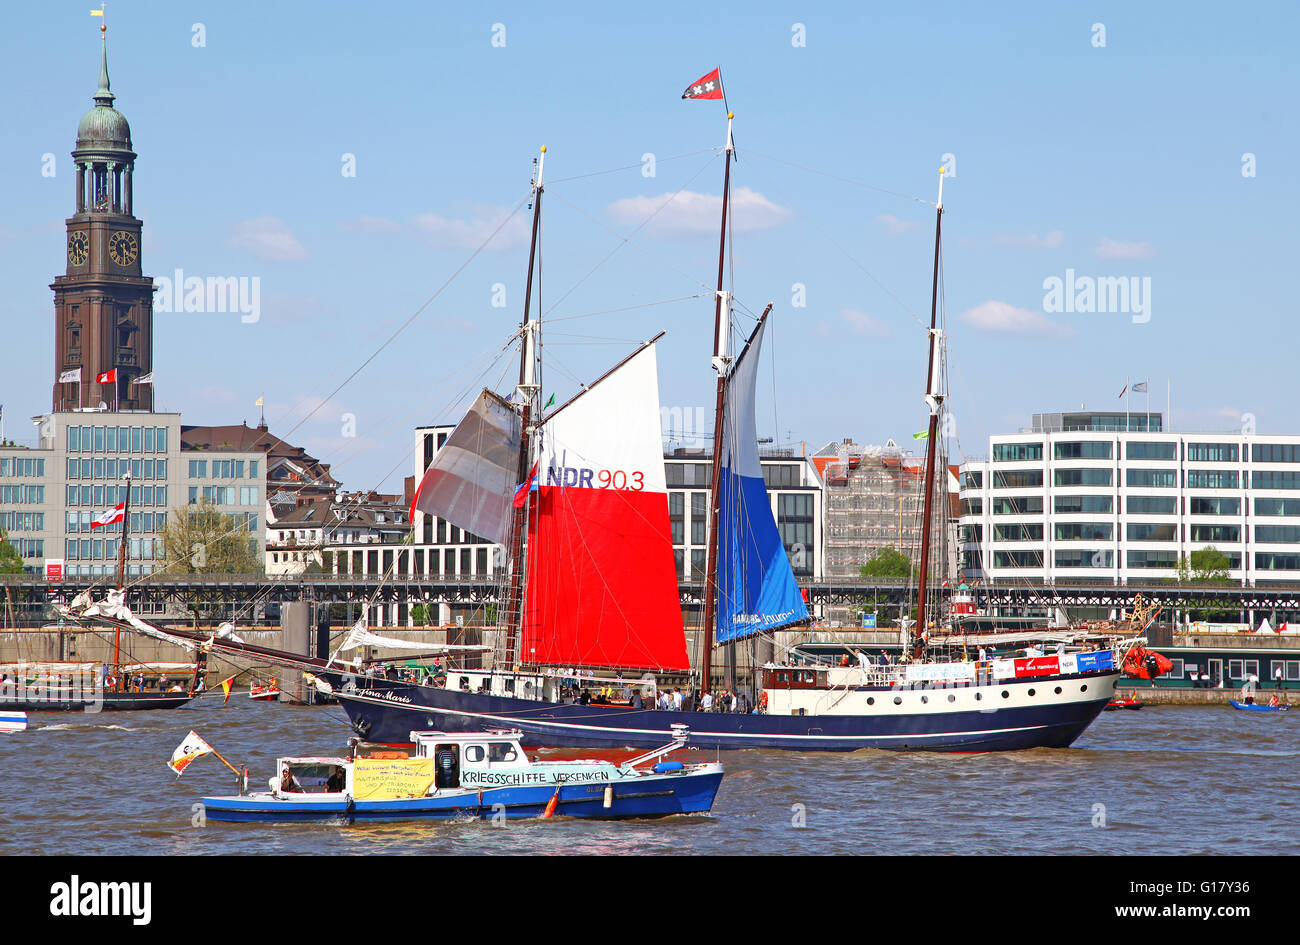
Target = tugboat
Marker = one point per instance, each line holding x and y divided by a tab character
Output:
479	776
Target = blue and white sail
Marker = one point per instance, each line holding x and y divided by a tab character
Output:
756	586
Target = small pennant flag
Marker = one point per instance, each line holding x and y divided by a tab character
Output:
145	378
549	402
226	685
70	377
260	402
1124	391
923	435
193	747
530	485
708	86
96	12
1140	388
108	377
111	517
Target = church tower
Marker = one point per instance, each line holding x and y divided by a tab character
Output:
103	306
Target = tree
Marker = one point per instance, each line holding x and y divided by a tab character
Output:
887	563
11	562
203	540
1209	565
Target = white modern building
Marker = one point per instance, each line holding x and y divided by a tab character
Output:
1102	497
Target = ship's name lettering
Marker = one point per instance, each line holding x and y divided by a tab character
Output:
583	477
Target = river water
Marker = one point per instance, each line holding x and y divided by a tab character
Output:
1165	780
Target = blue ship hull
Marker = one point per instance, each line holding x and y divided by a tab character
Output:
637	797
387	711
1251	707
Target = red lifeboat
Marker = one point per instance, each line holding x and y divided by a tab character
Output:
1141	663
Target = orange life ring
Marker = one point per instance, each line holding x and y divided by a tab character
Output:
762	699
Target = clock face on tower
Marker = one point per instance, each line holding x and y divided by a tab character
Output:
123	248
78	247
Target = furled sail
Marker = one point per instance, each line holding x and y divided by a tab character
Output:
756	587
601	580
472	477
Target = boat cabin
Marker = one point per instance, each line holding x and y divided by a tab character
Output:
793	677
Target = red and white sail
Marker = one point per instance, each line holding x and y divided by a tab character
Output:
601	578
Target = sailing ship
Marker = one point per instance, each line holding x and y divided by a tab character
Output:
598	591
592	585
72	686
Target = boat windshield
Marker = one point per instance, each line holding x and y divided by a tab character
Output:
310	777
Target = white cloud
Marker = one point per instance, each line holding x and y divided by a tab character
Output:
895	226
470	232
474	224
1053	240
860	323
268	239
1003	319
1111	249
694	214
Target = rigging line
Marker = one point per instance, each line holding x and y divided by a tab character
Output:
628	308
844	180
414	315
627	240
639	166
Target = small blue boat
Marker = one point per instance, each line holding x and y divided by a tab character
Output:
1252	707
472	776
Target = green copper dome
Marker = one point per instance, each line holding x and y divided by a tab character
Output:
104	127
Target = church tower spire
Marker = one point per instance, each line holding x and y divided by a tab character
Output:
103	303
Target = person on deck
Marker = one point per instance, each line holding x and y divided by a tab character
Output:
336	781
288	783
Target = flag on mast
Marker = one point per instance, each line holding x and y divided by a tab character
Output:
145	378
108	377
187	751
111	517
707	86
70	377
529	485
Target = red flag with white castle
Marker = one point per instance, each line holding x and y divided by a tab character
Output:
108	377
193	747
111	517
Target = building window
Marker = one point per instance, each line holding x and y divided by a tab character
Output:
1140	450
1017	559
1085	449
1153	478
1017	505
1277	534
972	480
1212	479
1027	531
1275	480
1071	504
1150	531
1213	533
1017	452
1153	559
1152	505
1275	453
699	517
1019	479
1083	531
676	511
1211	452
1084	559
1274	506
1082	477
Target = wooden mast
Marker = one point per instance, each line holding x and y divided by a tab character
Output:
121	581
720	361
527	391
934	400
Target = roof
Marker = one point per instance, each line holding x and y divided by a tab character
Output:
286	464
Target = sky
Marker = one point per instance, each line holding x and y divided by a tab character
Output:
354	159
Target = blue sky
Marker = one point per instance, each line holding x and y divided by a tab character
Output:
1122	160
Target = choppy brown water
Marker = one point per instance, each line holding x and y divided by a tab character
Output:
1165	780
